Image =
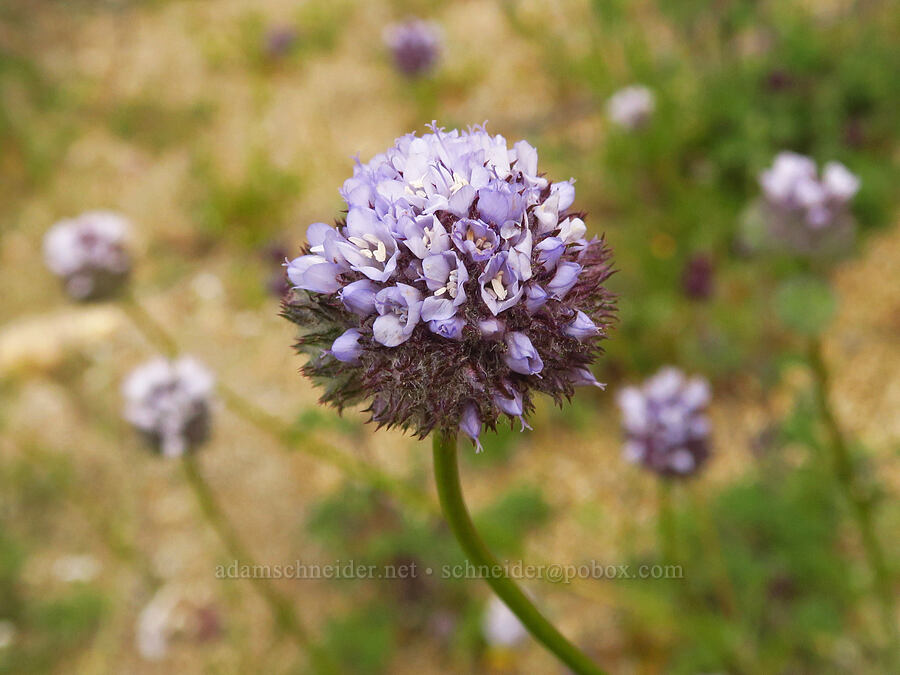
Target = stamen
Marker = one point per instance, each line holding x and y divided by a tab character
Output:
381	252
359	243
497	285
439	292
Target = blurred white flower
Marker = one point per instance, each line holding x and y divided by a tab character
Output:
502	628
89	253
7	633
76	568
631	107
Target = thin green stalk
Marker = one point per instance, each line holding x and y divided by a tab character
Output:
281	607
666	521
860	504
446	474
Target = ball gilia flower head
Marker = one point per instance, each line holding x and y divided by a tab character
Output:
89	253
665	423
170	403
458	285
805	212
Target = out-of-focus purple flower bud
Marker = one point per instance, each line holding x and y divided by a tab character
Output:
803	213
521	356
279	41
415	46
169	402
90	254
582	327
347	348
697	277
665	423
470	425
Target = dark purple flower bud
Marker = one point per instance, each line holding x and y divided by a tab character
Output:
359	297
697	277
582	327
347	348
521	356
399	308
470	425
565	278
415	46
279	41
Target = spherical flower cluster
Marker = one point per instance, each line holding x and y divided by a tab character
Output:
415	46
665	423
170	402
458	284
803	210
631	107
89	253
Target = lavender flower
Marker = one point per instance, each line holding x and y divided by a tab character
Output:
169	402
665	423
89	253
802	211
435	300
415	46
631	107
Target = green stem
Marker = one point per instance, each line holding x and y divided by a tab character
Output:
446	474
282	609
860	504
666	521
